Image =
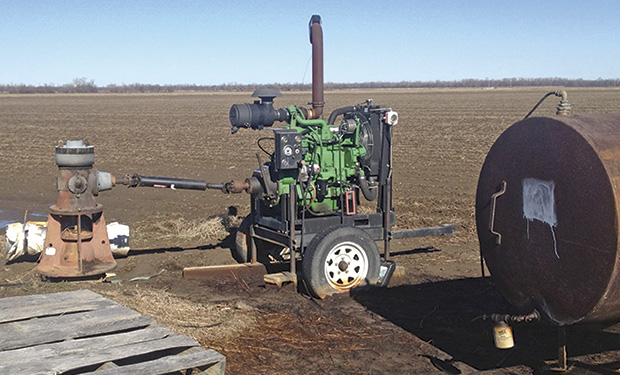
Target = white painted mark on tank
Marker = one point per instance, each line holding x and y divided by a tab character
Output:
539	204
538	201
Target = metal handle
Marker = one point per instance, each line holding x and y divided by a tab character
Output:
498	240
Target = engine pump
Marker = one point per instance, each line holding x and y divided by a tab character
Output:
304	198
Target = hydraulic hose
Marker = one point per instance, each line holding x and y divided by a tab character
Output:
340	111
369	194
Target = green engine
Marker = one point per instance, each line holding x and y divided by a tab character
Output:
329	164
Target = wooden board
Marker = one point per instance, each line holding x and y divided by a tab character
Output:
81	332
224	270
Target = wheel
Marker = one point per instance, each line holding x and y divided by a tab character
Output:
266	252
339	260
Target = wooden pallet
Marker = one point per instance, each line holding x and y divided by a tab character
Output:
83	333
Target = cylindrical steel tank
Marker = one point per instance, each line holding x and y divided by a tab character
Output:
547	216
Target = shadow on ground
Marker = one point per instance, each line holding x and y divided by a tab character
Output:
441	313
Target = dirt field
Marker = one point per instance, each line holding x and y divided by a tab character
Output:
419	325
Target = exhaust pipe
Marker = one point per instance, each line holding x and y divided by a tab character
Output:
316	39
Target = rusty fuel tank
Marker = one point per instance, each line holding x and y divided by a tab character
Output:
547	216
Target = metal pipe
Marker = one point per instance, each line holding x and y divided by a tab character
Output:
252	245
316	39
534	316
216	185
252	239
233	186
564	108
387	209
162	182
562	359
79	242
292	217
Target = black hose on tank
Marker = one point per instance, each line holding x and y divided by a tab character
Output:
564	108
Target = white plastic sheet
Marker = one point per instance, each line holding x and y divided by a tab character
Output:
29	239
25	239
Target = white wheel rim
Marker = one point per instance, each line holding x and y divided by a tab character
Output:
346	266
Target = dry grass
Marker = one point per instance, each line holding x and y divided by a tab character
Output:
205	323
181	230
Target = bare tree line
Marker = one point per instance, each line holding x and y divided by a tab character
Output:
84	85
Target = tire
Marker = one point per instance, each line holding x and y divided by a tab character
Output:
339	260
266	252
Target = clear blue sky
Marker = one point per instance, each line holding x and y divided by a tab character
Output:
211	42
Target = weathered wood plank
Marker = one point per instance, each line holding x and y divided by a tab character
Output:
35	299
47	308
57	328
168	364
33	330
215	369
41	352
89	358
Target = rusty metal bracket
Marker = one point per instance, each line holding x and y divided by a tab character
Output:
494	197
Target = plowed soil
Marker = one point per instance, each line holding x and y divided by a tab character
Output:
421	324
